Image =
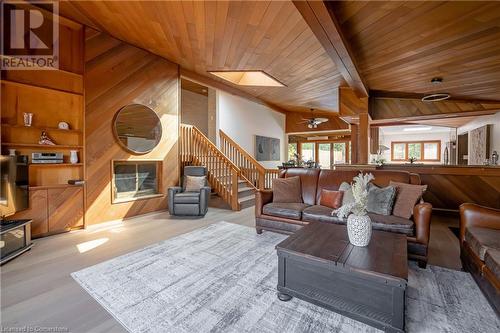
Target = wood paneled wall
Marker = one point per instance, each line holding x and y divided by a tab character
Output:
117	74
449	187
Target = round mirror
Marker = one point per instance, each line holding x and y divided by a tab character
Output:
137	128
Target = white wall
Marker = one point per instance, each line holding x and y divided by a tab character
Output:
485	120
442	135
242	119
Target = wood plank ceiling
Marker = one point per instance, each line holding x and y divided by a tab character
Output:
237	35
401	45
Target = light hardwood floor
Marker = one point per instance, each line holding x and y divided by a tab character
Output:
37	289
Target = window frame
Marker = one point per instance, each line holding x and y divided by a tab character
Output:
159	193
422	150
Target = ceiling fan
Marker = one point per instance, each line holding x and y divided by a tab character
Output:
314	121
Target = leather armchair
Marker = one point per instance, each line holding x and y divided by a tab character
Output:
185	203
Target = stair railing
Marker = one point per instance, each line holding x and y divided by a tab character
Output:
196	149
253	172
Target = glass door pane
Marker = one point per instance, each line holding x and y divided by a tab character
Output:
339	153
324	155
307	151
292	150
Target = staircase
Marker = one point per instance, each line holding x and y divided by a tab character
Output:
233	174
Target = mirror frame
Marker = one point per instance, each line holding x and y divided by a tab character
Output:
117	138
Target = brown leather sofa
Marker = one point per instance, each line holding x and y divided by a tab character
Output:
480	248
287	218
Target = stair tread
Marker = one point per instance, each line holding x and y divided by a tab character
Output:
247	188
246	198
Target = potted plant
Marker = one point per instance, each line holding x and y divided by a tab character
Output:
359	227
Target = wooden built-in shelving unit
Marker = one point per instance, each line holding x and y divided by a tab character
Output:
52	96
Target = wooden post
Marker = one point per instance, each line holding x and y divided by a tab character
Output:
234	190
354	109
363	138
262	180
354	144
374	140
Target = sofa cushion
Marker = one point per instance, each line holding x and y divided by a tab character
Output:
331	199
380	199
406	198
187	198
348	196
320	213
492	261
287	210
482	239
287	190
308	182
392	223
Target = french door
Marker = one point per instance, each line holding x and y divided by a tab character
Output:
326	154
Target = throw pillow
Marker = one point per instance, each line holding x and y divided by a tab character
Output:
287	190
194	183
348	196
380	200
407	197
332	199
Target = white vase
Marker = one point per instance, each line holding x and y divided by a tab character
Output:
359	229
73	156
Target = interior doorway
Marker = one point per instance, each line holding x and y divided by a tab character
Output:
198	107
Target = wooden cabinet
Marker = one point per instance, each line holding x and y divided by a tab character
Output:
54	210
65	208
38	212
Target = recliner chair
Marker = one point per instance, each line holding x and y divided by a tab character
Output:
184	203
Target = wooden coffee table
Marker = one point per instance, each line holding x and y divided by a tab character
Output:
318	264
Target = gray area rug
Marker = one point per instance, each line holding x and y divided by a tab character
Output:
222	278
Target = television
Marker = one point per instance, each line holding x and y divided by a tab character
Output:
14	185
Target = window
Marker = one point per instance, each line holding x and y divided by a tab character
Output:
134	180
419	150
308	151
415	150
431	151
292	150
398	151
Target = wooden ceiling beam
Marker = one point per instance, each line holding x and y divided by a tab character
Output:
402	120
379	94
388	109
324	25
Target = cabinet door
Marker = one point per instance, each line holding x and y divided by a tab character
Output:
36	212
65	208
